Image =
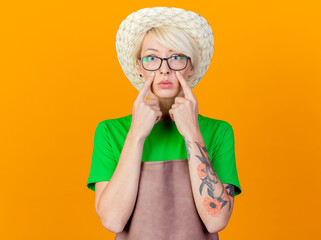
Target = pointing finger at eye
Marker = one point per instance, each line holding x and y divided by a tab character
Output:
186	88
146	87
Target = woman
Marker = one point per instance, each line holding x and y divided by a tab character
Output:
164	171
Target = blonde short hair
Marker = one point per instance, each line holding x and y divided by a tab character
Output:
174	39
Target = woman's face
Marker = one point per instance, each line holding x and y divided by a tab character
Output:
151	46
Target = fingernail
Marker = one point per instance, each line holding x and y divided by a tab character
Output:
177	73
152	74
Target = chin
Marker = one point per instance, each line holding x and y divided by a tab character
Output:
165	93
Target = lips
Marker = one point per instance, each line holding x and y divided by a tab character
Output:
165	82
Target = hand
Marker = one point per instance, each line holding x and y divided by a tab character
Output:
185	109
145	112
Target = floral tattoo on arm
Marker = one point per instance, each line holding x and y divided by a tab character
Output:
212	203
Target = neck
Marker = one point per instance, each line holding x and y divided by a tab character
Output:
165	104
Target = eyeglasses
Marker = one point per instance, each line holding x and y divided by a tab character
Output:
175	62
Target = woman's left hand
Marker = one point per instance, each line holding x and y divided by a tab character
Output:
185	109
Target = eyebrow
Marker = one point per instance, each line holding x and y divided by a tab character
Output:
153	49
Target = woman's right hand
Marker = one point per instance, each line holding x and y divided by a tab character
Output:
146	113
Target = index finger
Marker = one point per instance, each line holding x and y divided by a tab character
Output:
145	88
186	88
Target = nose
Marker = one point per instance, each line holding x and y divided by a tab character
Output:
164	69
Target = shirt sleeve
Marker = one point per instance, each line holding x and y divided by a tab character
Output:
224	161
103	162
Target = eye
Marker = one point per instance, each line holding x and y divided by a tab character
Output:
178	57
150	58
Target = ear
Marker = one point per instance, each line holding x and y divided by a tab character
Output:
191	72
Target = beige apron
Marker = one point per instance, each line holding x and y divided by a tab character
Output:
165	208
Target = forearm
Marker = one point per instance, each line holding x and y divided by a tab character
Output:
118	198
212	201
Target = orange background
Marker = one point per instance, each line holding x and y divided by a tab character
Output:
60	76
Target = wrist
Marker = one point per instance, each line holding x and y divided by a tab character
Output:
135	136
194	134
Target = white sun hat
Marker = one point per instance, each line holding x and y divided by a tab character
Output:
139	22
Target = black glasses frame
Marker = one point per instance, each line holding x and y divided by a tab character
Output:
187	57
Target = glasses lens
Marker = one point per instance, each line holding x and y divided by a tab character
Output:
177	62
151	62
